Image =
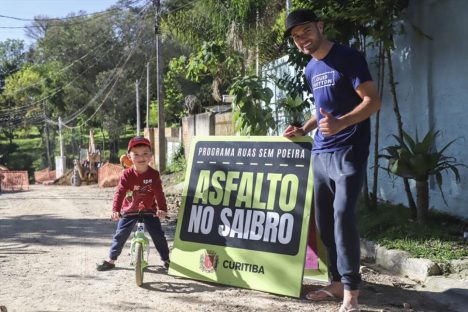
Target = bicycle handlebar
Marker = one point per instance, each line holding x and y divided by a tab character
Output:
136	214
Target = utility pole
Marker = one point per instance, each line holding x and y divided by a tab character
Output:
60	161
257	62
159	88
60	136
47	139
147	94
137	107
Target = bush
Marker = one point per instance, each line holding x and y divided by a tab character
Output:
178	161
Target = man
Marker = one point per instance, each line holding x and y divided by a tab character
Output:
345	97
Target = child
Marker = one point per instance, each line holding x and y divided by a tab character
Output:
139	188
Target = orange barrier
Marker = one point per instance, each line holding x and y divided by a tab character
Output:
14	180
109	175
44	175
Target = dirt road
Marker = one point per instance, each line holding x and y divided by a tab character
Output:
52	236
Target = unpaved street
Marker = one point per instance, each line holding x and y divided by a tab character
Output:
52	236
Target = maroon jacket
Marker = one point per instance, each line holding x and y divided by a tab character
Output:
139	190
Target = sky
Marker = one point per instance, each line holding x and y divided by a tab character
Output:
28	9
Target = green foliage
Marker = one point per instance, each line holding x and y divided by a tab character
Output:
12	57
254	24
178	163
414	159
356	21
418	160
100	57
24	153
206	73
251	113
39	83
244	24
174	84
212	58
294	110
153	115
216	62
295	106
193	24
440	240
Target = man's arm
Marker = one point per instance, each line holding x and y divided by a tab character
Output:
330	125
310	125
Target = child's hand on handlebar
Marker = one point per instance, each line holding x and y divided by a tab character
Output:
115	216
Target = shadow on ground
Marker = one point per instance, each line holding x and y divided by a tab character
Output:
52	230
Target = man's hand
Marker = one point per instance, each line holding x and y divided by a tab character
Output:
161	214
329	124
115	216
292	131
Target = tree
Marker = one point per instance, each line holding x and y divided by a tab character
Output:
214	61
247	26
101	55
12	56
206	73
251	112
37	90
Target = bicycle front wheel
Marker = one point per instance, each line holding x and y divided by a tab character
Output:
138	261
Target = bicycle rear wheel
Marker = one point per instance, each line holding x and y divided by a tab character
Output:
138	262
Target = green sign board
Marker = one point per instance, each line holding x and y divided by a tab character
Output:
245	213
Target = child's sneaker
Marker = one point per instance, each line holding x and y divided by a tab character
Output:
167	263
105	266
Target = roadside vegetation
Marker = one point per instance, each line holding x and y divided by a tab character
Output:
440	239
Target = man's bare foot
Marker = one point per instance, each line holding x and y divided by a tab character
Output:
330	292
350	301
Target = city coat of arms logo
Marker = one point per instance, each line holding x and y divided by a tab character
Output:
208	261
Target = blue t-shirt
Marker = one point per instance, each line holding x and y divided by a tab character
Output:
333	81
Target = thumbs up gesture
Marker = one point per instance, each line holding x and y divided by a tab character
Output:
329	125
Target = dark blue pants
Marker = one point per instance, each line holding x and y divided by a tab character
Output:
152	226
338	178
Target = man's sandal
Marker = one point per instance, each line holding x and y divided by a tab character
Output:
328	295
105	266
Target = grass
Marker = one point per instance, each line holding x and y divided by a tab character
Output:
440	240
24	153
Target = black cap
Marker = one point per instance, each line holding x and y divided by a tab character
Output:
299	17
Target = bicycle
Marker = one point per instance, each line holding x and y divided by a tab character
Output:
139	246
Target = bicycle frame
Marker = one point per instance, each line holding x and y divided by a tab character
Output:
139	237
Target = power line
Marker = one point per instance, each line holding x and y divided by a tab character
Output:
108	81
58	18
55	91
75	115
94	14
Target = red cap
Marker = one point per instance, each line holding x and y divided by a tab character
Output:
139	140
